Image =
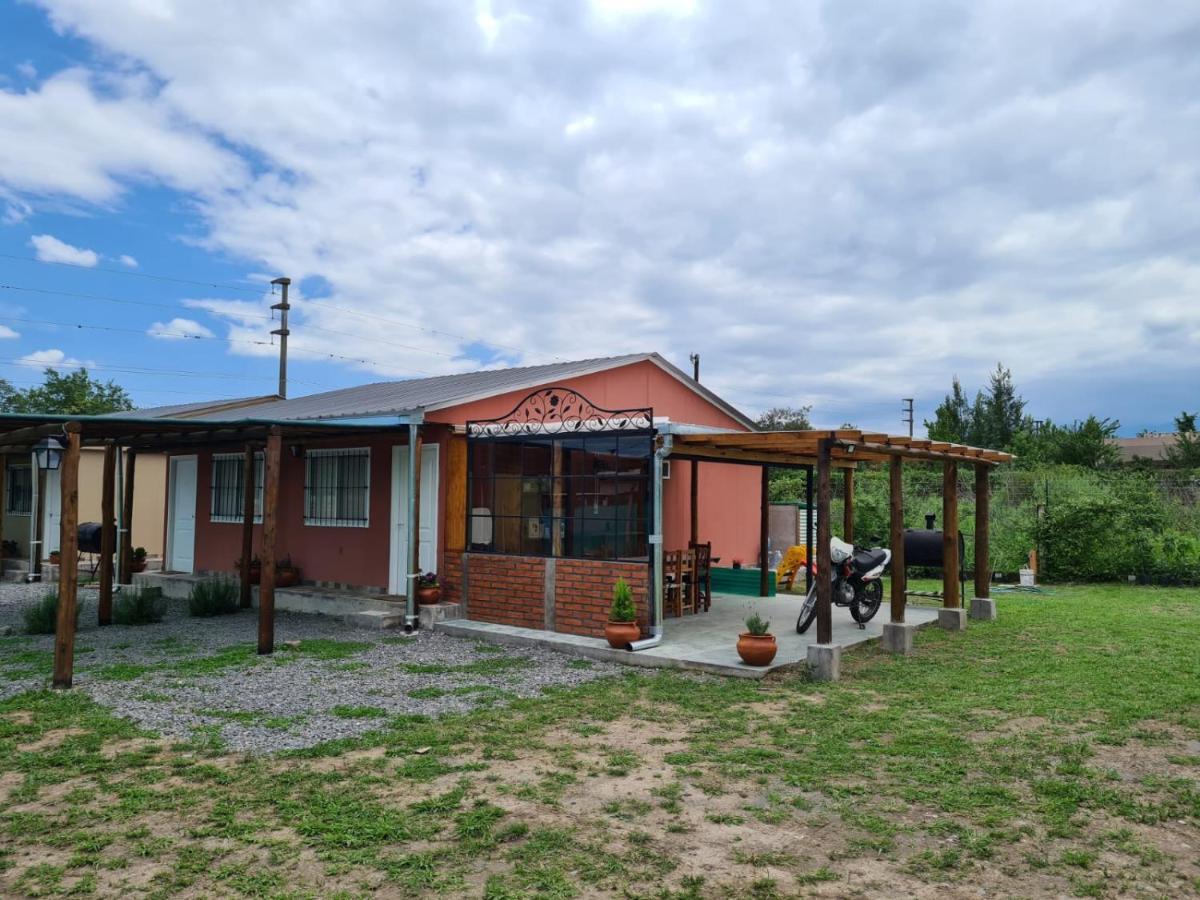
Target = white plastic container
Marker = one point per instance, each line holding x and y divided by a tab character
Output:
1027	578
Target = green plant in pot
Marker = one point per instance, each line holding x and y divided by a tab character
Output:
756	645
622	629
286	574
255	569
138	562
429	590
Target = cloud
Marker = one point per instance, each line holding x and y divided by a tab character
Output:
7	333
128	261
48	248
178	329
832	203
53	358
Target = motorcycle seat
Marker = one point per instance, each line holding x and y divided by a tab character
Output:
866	560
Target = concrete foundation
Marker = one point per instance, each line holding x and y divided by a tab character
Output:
952	619
825	661
983	609
430	614
898	637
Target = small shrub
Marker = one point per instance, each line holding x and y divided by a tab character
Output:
623	608
214	597
757	625
142	606
42	618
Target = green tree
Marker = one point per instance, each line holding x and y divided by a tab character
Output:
1185	453
785	418
999	412
952	419
75	393
1087	443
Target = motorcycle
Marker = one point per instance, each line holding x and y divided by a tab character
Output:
857	583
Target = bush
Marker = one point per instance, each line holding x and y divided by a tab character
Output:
214	597
623	608
141	606
43	617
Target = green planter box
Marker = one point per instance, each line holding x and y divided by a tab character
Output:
740	581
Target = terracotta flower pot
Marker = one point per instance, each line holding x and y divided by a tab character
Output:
287	576
138	565
429	594
756	649
621	634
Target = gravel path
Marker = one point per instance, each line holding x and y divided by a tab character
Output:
200	678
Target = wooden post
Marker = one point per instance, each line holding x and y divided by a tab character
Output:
68	543
126	541
416	506
764	533
983	559
950	591
456	493
694	508
848	506
808	529
3	488
266	588
108	534
824	563
899	576
249	489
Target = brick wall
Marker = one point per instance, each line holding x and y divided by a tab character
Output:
509	590
450	576
583	593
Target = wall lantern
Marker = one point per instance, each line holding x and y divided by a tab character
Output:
49	453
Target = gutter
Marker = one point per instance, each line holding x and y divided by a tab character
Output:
656	542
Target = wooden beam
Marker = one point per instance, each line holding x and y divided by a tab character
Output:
896	536
950	589
29	435
764	532
126	536
983	559
108	528
456	492
848	506
266	587
824	563
249	490
64	630
415	562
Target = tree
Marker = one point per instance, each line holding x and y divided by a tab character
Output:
76	393
952	419
785	418
1087	443
999	413
1185	452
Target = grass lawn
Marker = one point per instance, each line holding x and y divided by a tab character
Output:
1054	752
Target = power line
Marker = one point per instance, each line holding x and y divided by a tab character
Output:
107	299
212	284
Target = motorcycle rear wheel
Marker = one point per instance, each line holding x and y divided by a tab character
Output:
866	602
808	611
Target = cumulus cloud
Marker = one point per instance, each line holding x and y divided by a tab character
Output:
48	248
839	204
7	333
52	358
128	261
178	329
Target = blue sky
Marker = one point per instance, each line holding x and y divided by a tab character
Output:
835	205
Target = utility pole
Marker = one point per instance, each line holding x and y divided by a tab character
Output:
283	333
908	414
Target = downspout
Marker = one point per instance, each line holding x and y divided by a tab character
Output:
414	530
35	544
656	546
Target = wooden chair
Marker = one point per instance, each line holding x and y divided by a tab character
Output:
672	576
701	587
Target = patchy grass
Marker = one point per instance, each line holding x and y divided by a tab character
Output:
1053	752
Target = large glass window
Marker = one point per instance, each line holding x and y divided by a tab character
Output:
228	497
582	496
337	487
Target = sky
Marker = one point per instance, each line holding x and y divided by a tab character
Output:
835	204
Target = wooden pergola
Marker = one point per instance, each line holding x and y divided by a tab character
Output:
844	449
20	434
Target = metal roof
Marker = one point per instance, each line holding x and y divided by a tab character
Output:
398	398
189	410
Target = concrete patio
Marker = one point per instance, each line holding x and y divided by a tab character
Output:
704	642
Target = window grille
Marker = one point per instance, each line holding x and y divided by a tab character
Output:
18	491
337	487
228	497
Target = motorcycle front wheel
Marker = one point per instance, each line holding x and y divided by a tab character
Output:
808	611
866	602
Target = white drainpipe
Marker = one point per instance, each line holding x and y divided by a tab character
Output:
656	546
414	531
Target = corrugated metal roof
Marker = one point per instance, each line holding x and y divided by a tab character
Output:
388	398
188	410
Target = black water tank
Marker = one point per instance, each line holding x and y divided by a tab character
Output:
923	547
89	537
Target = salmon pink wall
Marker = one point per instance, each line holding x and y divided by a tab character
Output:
729	509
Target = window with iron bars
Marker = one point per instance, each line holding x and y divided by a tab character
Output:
337	487
228	491
18	490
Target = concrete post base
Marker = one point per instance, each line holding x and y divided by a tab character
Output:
952	619
898	637
983	609
429	614
825	661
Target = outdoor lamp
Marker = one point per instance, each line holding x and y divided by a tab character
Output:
49	453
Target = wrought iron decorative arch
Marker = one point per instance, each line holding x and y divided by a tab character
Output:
560	410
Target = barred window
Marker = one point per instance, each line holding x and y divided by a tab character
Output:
337	487
18	490
228	492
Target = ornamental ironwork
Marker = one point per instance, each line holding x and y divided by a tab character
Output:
559	410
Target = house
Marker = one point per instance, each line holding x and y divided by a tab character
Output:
1152	447
534	486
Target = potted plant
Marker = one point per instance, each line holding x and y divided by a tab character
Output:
255	569
428	589
622	629
286	574
138	562
756	645
55	557
737	563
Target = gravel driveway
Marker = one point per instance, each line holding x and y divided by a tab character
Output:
200	679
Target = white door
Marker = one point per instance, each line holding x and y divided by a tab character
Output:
428	497
51	512
181	530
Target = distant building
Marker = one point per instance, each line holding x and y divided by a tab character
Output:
1150	446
